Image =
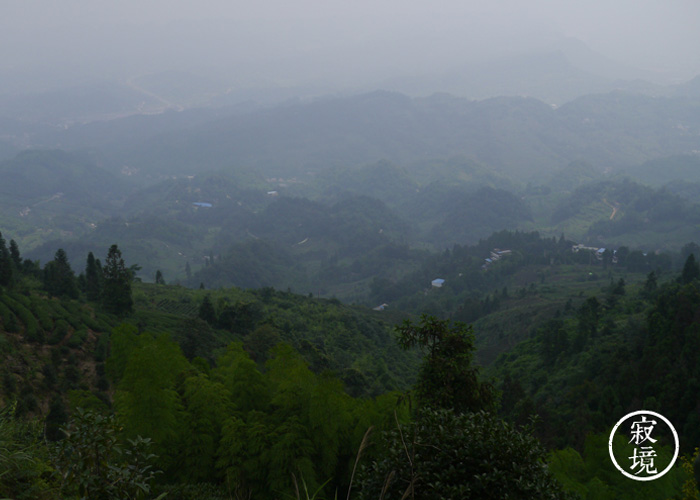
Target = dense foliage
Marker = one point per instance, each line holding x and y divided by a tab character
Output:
447	378
616	353
444	454
116	283
453	448
113	388
257	392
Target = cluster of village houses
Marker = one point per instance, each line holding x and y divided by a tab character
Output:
597	252
496	254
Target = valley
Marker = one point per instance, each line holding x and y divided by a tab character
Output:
247	290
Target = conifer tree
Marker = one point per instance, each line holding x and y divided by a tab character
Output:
59	278
116	287
447	378
651	284
159	278
14	254
133	271
5	264
93	278
691	270
207	311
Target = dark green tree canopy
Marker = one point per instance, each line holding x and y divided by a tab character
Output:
691	270
447	378
14	254
207	311
5	264
59	278
442	454
116	289
93	278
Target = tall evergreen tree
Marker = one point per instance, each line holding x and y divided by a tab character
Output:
59	278
5	264
688	249
447	378
207	311
691	270
133	271
93	278
14	254
159	278
650	285
116	287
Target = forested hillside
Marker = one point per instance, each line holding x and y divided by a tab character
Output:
150	389
90	342
262	387
406	252
332	234
235	328
516	135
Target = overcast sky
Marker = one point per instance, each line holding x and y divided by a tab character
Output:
332	39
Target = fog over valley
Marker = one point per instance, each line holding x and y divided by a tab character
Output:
324	47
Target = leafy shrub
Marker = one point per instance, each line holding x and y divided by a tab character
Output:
27	402
32	331
74	313
442	454
5	346
197	491
103	322
9	384
22	299
94	464
78	338
38	308
92	323
9	321
102	347
23	469
50	375
59	332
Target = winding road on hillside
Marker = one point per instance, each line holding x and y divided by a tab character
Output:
615	205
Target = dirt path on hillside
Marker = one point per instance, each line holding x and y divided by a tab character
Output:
614	208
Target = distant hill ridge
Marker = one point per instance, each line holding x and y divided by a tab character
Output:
519	136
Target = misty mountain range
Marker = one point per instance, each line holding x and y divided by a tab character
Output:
535	110
456	168
556	72
516	135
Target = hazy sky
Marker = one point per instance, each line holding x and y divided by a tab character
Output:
332	39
